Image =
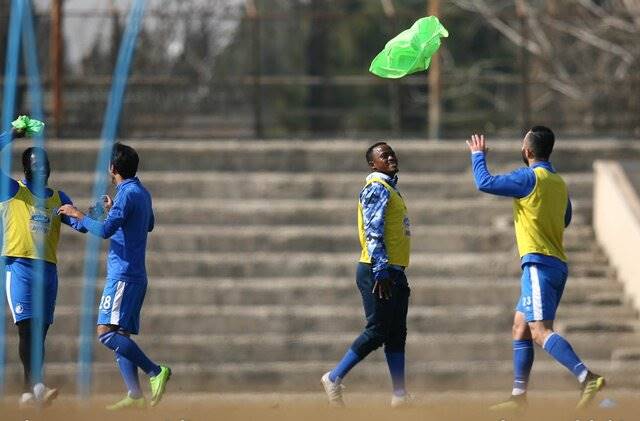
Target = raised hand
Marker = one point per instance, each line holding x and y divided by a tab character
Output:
477	144
107	202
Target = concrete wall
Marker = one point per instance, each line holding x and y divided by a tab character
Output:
616	219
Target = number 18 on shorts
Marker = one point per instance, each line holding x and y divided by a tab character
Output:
120	305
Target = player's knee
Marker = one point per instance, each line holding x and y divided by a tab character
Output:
101	330
539	334
520	331
376	339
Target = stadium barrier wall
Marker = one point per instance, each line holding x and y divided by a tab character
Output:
616	220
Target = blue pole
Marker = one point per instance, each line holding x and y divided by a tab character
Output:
108	135
8	110
37	287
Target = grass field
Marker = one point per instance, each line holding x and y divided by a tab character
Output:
311	408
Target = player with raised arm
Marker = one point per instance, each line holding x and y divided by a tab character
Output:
383	226
541	212
128	221
26	221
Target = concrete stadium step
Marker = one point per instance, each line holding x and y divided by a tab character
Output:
324	156
342	292
260	348
303	265
481	211
282	185
370	377
286	238
293	319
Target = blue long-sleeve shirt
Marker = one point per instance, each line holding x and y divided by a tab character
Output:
374	199
517	184
128	222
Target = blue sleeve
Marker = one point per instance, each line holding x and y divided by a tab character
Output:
5	139
568	213
152	221
115	218
374	199
67	220
518	183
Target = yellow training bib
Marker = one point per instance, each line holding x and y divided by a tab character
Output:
397	235
25	224
539	217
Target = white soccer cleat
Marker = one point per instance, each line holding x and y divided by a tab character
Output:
27	400
334	391
404	401
44	395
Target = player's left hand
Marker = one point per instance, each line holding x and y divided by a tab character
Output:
107	202
477	144
383	284
71	211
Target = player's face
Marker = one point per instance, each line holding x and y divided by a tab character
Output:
39	167
112	174
384	160
525	152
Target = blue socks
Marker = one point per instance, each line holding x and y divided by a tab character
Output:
522	363
349	361
395	361
129	373
126	347
561	350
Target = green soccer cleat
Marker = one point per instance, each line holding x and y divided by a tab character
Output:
515	404
158	384
128	403
590	387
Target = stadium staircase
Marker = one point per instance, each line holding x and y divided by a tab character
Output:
252	266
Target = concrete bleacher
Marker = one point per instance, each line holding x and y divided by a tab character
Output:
252	266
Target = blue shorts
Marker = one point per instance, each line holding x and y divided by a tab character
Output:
541	289
121	303
19	275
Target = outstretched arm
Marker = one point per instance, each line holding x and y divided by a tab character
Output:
518	183
5	179
115	218
68	220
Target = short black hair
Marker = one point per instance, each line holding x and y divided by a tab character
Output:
26	161
369	152
540	140
124	160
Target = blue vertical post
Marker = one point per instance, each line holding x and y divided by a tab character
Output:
37	286
108	135
8	110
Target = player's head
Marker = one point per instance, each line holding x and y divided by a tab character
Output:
35	164
537	144
124	161
382	158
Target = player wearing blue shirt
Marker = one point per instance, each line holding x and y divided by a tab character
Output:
129	220
542	210
384	232
23	220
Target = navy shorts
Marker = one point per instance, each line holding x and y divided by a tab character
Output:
121	303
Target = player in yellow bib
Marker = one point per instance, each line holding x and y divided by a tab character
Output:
541	211
385	240
25	219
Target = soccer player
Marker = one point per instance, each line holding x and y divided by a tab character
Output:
24	223
128	221
541	211
383	226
